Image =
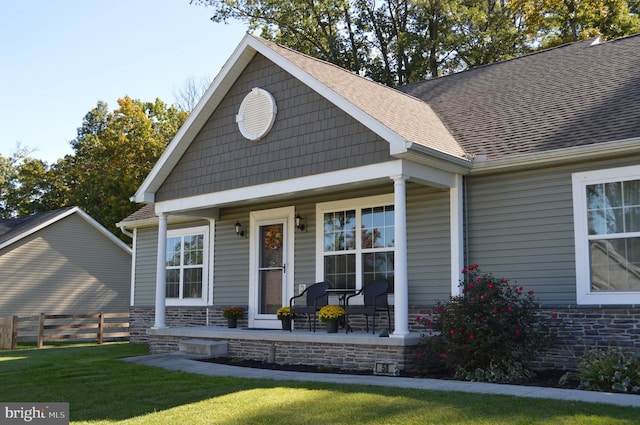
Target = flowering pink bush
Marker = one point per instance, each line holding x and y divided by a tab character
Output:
489	332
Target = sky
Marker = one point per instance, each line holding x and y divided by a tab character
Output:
58	59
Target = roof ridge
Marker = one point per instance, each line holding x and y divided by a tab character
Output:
573	44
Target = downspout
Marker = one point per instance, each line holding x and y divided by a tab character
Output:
465	227
126	232
133	262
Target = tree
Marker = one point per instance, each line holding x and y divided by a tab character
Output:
187	97
24	185
555	22
357	35
113	153
487	31
395	42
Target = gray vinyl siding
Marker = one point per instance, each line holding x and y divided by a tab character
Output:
310	136
145	268
428	244
231	275
520	227
67	267
146	258
231	262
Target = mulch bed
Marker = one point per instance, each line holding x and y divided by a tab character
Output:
547	378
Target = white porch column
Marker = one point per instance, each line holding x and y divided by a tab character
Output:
456	205
161	273
401	293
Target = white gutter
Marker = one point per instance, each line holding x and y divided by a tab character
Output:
558	156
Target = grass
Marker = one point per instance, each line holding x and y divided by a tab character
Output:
100	389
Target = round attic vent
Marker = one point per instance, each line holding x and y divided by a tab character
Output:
257	114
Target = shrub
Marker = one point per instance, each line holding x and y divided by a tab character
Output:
612	369
487	333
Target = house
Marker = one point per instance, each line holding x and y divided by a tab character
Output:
529	168
62	262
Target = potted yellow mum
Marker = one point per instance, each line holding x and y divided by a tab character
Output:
332	315
285	316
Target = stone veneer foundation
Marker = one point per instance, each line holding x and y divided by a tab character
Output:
579	329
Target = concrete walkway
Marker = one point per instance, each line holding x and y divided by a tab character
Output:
187	363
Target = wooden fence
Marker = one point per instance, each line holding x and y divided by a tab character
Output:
63	327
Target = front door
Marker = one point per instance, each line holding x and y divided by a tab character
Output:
271	265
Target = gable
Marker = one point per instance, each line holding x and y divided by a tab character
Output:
310	135
14	229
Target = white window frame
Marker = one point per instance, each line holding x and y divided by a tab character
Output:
357	204
191	231
580	181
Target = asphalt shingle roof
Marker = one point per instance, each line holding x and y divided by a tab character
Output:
572	95
12	227
146	212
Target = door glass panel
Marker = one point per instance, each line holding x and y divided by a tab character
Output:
271	271
270	291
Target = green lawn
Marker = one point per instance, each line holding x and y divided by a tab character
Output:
100	389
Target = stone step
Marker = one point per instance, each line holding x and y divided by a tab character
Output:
203	347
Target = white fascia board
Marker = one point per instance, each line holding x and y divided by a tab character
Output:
219	87
428	175
558	156
386	170
398	144
300	184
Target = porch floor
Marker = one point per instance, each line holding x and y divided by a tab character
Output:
278	335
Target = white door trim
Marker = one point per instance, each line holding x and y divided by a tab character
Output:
256	219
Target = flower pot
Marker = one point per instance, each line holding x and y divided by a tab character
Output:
332	326
286	324
232	322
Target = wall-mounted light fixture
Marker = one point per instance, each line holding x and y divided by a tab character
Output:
299	224
239	230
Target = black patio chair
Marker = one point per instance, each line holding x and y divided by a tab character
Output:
375	300
316	297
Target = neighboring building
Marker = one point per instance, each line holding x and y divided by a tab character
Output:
62	262
528	167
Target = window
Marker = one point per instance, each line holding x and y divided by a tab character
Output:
186	262
357	238
607	234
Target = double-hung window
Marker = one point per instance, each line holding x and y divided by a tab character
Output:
186	262
356	241
607	234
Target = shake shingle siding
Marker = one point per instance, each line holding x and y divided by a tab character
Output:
310	136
